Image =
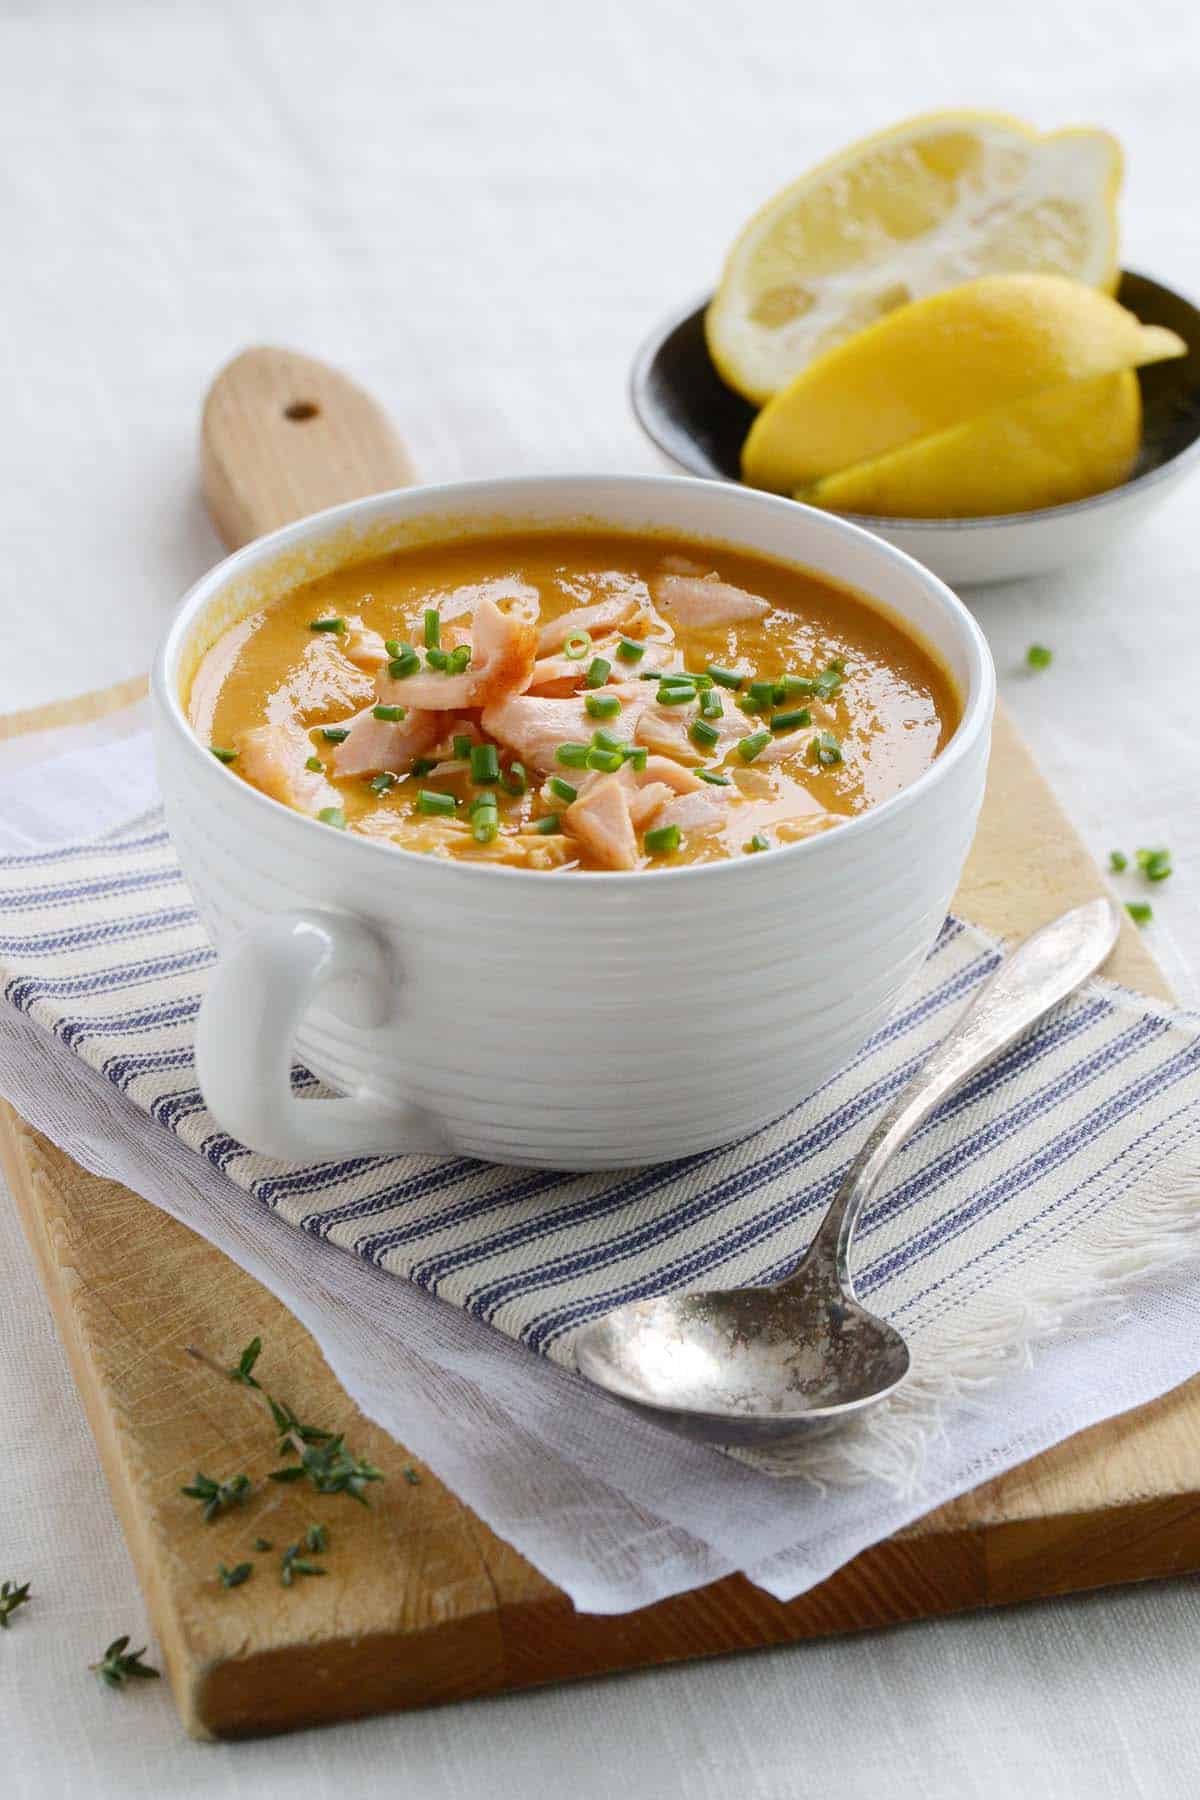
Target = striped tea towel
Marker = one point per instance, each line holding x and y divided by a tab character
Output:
1061	1171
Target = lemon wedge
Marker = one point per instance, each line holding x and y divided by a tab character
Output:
937	363
926	205
1057	446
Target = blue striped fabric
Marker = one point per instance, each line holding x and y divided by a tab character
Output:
100	945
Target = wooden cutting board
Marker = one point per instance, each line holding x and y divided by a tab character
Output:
421	1602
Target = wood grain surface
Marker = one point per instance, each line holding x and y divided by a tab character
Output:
422	1603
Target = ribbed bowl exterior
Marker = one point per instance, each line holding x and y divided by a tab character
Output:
599	1021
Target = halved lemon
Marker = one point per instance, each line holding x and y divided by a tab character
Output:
1051	448
938	363
926	205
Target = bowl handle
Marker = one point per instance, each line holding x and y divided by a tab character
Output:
256	998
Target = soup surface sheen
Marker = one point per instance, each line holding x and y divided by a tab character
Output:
594	701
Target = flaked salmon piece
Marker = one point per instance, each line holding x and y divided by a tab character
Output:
273	757
672	774
559	675
683	565
533	727
699	602
600	820
363	645
603	616
692	812
377	744
646	800
504	591
503	652
664	729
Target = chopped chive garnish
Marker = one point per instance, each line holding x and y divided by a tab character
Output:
389	715
676	693
607	761
223	755
663	838
1154	864
754	745
604	739
458	660
515	781
484	802
760	696
1038	657
562	789
572	756
315	764
1140	911
407	663
429	800
438	659
335	734
327	624
791	721
485	828
332	815
702	682
598	673
796	684
757	842
726	678
547	825
602	706
710	705
433	627
711	776
650	674
704	735
827	683
630	651
423	764
576	645
1117	861
461	744
396	647
637	757
485	763
825	750
382	783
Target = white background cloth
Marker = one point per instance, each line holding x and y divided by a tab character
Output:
478	210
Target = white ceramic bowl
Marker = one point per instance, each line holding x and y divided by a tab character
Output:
572	1021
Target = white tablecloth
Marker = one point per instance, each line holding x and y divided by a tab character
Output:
478	210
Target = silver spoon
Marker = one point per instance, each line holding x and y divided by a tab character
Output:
758	1364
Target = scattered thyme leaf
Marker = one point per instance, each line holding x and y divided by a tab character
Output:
11	1596
290	1428
411	1476
1118	862
1154	864
218	1496
294	1563
1140	911
231	1578
263	1544
243	1372
316	1538
117	1665
1038	657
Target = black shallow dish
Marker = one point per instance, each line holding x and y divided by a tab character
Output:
699	424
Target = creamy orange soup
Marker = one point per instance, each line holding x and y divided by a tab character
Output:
574	700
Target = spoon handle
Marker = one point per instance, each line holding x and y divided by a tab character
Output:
1041	971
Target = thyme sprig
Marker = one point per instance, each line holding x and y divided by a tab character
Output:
242	1370
231	1578
218	1496
296	1563
119	1665
11	1596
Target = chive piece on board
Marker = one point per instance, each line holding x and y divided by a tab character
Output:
547	825
663	838
1140	911
430	801
1118	862
754	745
711	776
223	755
332	815
315	764
1154	864
327	624
572	756
630	651
704	735
791	721
602	706
335	734
825	750
576	645
485	763
726	678
562	789
599	670
381	783
389	715
1038	657
433	628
